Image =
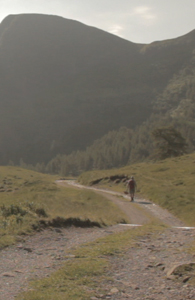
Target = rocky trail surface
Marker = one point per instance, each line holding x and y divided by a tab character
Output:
145	272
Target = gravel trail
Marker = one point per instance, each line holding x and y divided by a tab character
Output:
140	274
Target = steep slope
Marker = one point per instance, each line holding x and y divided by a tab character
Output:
64	84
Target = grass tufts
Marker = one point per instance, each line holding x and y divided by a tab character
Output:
36	201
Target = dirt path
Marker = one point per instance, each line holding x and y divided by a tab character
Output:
135	215
144	273
141	274
139	212
39	255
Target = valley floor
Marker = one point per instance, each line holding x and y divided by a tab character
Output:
140	274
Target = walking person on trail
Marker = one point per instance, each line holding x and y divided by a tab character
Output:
131	184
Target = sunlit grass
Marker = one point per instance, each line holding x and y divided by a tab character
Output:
170	183
30	200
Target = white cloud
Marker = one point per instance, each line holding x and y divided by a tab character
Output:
145	13
141	10
116	29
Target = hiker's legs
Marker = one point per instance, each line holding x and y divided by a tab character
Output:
132	192
130	195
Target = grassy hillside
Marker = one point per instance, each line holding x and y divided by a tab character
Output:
30	201
170	183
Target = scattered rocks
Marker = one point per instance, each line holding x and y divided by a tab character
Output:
184	271
159	265
25	248
8	274
19	271
186	279
36	256
147	277
114	291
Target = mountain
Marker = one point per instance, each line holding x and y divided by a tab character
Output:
64	84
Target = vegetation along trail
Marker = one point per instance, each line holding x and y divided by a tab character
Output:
144	271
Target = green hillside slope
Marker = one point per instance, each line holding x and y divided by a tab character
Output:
169	183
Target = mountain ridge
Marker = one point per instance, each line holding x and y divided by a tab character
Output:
64	84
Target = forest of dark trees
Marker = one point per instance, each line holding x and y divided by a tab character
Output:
174	109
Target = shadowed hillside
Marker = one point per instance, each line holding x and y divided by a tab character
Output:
64	84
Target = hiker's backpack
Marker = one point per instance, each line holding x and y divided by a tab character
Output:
131	184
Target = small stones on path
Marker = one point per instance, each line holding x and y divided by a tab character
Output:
28	249
25	248
114	291
8	274
184	271
37	256
146	277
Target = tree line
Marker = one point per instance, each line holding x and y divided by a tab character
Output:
123	147
169	131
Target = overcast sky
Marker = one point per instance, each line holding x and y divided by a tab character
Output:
138	21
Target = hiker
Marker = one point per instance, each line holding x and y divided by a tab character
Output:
131	184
